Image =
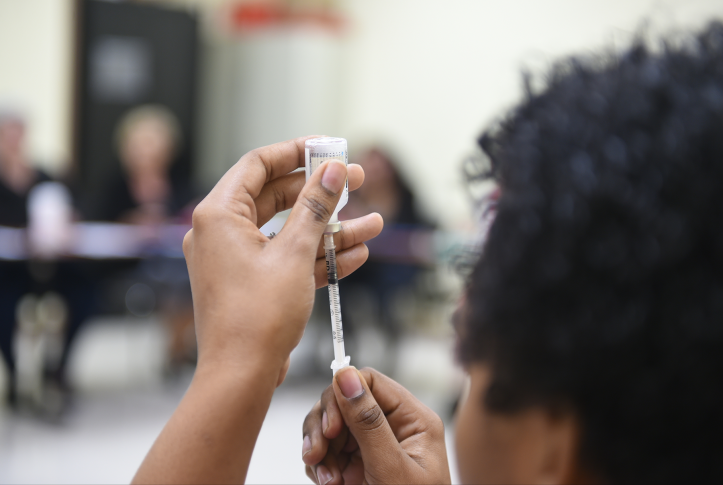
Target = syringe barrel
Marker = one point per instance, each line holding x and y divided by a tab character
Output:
340	359
319	150
334	303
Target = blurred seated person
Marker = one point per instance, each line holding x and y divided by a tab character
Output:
17	174
148	142
42	280
384	191
387	193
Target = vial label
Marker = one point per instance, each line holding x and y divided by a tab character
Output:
316	158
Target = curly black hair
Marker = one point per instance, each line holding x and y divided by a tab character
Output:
600	287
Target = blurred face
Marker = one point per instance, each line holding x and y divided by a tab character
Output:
148	147
12	136
378	172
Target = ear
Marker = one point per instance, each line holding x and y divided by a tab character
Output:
555	438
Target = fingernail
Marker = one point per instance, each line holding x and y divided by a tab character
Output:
349	382
324	422
334	176
307	446
323	475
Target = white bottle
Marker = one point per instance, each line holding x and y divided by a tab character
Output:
50	214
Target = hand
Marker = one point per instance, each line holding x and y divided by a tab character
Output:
253	296
368	429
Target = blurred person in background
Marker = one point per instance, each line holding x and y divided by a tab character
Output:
384	191
17	174
387	193
591	326
17	178
57	296
148	139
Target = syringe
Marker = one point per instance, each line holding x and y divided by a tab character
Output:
341	360
318	151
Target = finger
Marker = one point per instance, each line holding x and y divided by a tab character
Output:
346	263
313	209
397	404
328	471
331	468
315	445
366	421
311	474
355	231
331	419
243	182
351	445
353	469
281	193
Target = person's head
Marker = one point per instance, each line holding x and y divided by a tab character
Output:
379	169
147	139
12	136
593	322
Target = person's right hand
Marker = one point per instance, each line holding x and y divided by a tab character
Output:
369	429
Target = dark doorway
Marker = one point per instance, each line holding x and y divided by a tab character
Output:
130	55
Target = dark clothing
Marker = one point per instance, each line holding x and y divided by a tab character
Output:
384	279
14	206
117	200
19	278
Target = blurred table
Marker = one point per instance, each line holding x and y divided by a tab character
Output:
101	240
108	241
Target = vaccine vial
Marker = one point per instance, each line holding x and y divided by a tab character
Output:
319	150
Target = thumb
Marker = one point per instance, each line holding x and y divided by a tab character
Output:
366	421
314	206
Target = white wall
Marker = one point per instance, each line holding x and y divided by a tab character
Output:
35	73
428	75
424	75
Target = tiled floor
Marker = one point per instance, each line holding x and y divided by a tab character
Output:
122	407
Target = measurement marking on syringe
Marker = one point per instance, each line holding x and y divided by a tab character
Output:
335	308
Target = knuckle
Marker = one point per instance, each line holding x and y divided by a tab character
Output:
370	418
321	212
328	395
370	371
209	213
348	236
308	424
279	198
252	156
187	243
201	214
437	426
342	243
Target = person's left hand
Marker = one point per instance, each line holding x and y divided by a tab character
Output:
253	296
369	429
